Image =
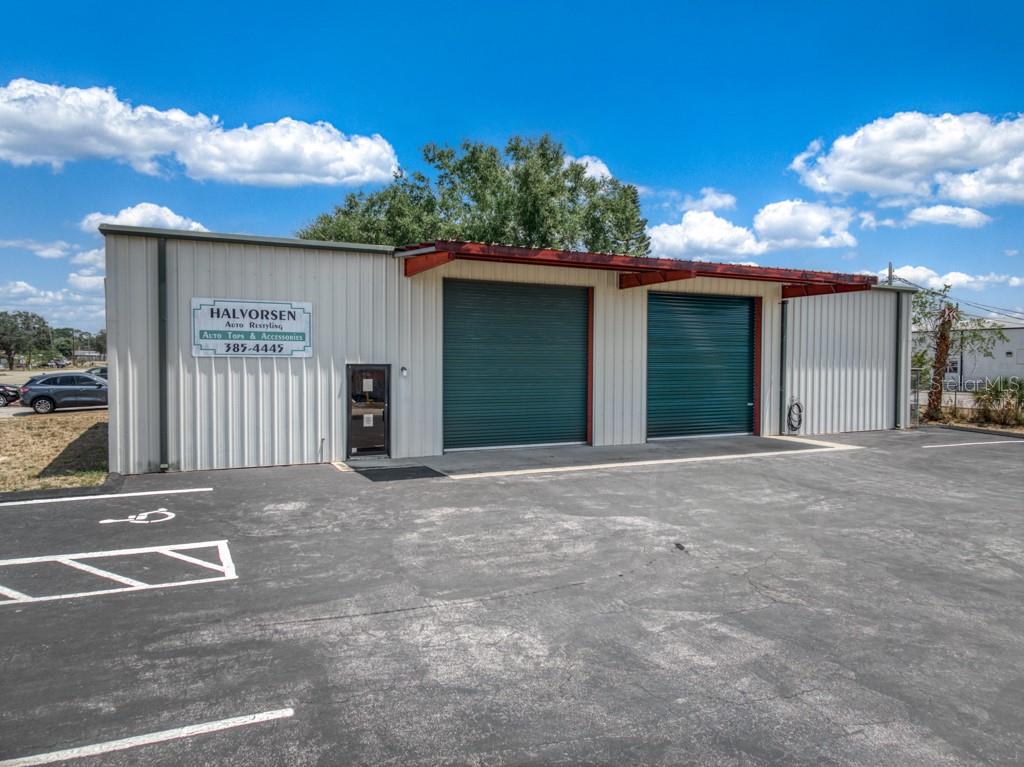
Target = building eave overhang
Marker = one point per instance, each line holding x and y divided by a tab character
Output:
633	271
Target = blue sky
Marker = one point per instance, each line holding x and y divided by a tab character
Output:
711	109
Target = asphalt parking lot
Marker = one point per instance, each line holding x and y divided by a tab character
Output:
796	605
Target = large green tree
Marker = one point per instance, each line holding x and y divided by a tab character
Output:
529	194
99	341
22	333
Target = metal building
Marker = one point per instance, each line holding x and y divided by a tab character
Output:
230	350
968	370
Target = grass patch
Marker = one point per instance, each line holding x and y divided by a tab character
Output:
60	450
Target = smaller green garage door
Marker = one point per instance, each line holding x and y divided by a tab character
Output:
700	365
515	364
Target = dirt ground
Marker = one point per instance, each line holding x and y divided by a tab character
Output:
58	450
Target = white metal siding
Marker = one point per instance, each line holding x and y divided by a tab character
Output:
841	352
226	412
131	299
260	412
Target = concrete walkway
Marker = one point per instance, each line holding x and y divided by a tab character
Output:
576	457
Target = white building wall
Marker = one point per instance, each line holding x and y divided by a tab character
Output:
841	360
131	282
225	412
1007	360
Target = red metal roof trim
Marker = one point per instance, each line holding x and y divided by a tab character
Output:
800	291
424	256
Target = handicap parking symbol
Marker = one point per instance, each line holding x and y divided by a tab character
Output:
144	518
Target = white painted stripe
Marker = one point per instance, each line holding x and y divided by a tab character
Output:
226	568
11	594
972	444
36	501
102	592
145	740
808	441
192	560
111	553
102	573
226	560
653	462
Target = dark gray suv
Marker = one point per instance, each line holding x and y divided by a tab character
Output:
44	394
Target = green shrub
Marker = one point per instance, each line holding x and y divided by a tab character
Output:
1001	400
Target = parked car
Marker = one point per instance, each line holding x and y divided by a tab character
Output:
44	394
100	371
8	394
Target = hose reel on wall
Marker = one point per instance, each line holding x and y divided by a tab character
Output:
794	416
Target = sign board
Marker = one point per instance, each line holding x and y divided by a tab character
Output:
223	327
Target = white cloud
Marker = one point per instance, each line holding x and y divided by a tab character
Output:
784	224
868	220
799	224
59	307
52	125
968	218
971	158
143	214
55	249
701	234
929	278
1011	252
710	199
95	258
594	167
87	283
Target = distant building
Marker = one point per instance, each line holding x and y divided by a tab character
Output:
87	355
968	371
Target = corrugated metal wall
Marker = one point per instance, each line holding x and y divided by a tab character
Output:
841	353
226	412
131	298
249	412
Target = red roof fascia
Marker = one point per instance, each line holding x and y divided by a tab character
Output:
429	255
800	291
416	264
636	279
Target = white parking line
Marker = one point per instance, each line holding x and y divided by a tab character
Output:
653	462
16	596
36	501
1017	441
145	740
226	568
97	571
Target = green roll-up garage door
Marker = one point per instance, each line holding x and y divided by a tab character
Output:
515	364
700	365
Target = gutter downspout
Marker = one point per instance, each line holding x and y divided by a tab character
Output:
161	285
898	370
782	368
